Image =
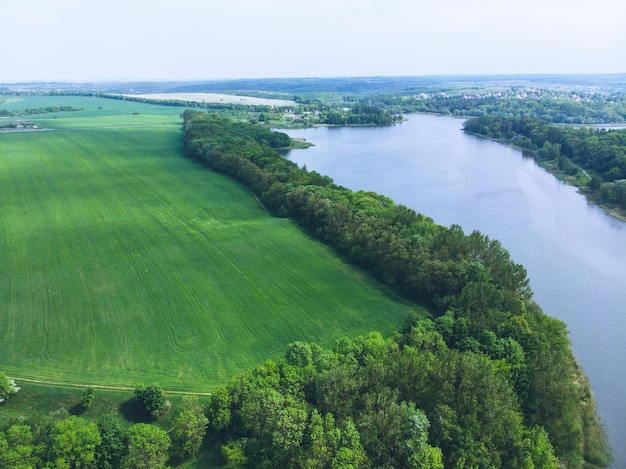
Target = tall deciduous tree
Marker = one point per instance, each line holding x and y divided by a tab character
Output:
148	447
190	426
18	449
109	452
150	399
74	443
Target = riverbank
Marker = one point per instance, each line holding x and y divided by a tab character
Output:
574	253
580	180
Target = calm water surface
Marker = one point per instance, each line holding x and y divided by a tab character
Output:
575	254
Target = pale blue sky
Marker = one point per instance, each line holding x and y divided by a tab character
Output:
92	40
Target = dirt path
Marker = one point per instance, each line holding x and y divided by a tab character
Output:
102	386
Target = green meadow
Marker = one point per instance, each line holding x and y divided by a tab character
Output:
123	262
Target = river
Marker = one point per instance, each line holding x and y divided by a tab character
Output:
574	252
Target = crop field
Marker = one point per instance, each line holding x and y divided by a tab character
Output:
92	112
217	98
125	263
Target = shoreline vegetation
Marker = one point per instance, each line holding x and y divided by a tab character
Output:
592	160
479	299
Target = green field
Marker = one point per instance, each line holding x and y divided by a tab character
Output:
125	263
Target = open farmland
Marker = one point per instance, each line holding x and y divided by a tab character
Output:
123	262
216	98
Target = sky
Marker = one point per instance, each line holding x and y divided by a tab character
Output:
128	40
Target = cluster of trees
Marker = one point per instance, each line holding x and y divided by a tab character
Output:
68	441
311	112
550	106
492	375
600	152
420	400
360	114
34	111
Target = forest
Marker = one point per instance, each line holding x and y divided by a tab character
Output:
575	107
487	340
599	152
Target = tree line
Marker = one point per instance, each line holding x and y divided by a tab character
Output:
35	111
600	152
548	105
64	441
485	320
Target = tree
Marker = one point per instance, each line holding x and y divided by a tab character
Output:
299	354
218	408
18	449
109	452
7	388
234	455
190	426
87	398
147	447
150	400
73	442
537	450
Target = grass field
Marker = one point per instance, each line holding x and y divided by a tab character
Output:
94	112
125	263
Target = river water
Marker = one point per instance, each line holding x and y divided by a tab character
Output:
574	252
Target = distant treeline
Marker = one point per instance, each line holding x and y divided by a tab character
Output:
35	111
602	153
492	375
360	114
547	105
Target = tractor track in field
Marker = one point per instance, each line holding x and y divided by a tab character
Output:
102	386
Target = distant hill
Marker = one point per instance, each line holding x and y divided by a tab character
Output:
613	82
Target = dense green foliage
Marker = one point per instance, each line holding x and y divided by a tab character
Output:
150	400
59	440
515	101
190	426
147	447
438	393
360	114
490	327
600	152
410	402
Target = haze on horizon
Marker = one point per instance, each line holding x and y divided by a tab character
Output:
128	40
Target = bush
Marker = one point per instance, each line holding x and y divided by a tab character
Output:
7	388
150	400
